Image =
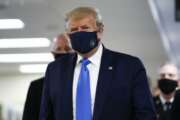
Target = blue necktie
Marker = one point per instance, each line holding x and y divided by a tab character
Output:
83	95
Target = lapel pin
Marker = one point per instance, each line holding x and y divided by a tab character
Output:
110	68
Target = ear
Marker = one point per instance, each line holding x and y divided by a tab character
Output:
178	81
100	31
99	35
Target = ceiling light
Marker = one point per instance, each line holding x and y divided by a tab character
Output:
26	58
11	24
24	42
33	68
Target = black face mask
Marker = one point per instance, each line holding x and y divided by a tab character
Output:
167	86
59	55
84	42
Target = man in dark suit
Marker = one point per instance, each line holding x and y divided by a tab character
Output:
96	83
59	49
167	84
33	100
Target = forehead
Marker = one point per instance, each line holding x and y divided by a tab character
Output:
88	20
61	40
169	68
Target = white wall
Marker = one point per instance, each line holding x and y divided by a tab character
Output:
13	89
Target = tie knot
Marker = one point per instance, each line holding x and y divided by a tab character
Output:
168	103
85	62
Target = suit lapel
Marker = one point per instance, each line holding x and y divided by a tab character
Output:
105	76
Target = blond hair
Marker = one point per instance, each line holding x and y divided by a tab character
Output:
82	12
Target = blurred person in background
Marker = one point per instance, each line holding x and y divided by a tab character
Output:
60	47
167	84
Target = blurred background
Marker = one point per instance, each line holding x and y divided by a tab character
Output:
148	29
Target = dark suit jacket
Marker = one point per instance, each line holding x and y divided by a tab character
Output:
33	100
122	92
161	113
176	107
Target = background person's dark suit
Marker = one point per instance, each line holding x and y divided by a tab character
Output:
122	90
176	107
161	113
33	100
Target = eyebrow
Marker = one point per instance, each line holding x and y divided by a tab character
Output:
76	28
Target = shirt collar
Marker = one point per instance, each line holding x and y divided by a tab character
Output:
95	59
164	101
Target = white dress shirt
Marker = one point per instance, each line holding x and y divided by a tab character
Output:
163	101
93	68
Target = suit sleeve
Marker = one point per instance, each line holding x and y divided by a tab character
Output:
46	112
142	98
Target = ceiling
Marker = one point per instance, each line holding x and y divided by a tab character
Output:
164	15
129	27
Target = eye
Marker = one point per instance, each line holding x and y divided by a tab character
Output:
73	29
162	75
67	48
84	27
171	75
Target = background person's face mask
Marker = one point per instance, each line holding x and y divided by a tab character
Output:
83	42
59	55
167	86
